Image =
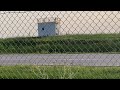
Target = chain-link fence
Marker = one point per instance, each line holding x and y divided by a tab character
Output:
77	38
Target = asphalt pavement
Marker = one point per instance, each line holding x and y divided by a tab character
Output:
61	59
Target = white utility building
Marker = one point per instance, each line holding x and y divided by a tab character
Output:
48	27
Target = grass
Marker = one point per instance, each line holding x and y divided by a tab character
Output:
58	72
97	43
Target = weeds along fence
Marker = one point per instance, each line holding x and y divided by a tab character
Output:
60	38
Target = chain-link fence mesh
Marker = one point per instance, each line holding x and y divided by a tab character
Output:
67	38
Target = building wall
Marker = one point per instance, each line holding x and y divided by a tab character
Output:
72	22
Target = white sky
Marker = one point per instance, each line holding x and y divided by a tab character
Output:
15	24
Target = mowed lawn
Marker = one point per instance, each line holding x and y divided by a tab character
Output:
97	43
58	72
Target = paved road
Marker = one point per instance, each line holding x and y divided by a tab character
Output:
61	59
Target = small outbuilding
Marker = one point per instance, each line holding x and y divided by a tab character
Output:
48	27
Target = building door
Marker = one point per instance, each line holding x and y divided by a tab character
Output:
47	29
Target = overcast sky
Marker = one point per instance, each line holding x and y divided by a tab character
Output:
24	23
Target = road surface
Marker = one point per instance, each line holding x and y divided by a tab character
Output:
61	59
